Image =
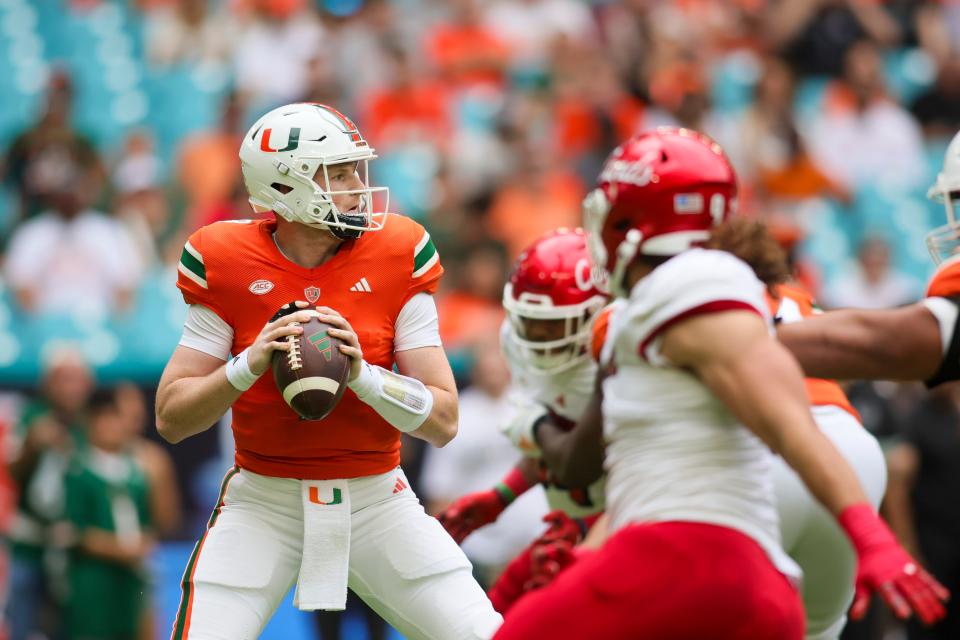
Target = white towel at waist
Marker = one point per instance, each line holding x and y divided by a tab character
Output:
324	568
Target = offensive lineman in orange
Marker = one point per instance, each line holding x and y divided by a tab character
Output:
323	504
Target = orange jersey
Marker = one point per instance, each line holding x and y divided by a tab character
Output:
946	281
599	333
792	305
236	270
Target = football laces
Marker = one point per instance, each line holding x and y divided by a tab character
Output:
293	355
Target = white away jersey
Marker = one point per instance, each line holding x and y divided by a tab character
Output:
674	451
565	394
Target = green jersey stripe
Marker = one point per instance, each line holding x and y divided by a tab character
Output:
196	254
191	262
190	274
422	242
424	255
432	260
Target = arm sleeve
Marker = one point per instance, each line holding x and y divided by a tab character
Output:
417	324
205	331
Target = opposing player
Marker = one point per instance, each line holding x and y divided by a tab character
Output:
551	302
317	504
916	342
694	391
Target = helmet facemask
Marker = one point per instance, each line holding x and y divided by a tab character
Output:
596	208
310	201
944	242
555	355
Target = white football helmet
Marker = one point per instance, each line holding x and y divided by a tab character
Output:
944	241
281	154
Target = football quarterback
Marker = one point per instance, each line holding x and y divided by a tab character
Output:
320	504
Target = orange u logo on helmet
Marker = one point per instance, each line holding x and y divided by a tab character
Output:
293	141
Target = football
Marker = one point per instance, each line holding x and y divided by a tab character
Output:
312	376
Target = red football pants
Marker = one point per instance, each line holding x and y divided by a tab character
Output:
664	581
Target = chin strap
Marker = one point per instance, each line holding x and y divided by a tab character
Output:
346	234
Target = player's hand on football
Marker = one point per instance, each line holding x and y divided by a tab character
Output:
273	336
470	512
346	333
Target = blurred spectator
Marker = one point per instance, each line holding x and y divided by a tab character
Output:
184	31
51	152
539	194
141	203
815	35
323	84
766	147
874	284
51	428
157	465
531	28
477	459
465	51
409	108
274	47
862	137
108	507
591	112
153	458
356	45
938	109
922	497
72	258
472	311
208	169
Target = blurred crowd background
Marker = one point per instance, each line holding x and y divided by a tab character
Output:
120	122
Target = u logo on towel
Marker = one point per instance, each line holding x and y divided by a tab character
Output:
315	497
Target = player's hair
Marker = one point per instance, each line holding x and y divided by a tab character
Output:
750	241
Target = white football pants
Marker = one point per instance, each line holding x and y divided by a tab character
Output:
811	534
402	563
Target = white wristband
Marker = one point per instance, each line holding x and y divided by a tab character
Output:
239	373
402	401
365	383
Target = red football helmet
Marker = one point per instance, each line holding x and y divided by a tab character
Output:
659	193
553	280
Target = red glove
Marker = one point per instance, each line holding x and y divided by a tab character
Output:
563	527
472	511
547	561
556	549
884	566
469	513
